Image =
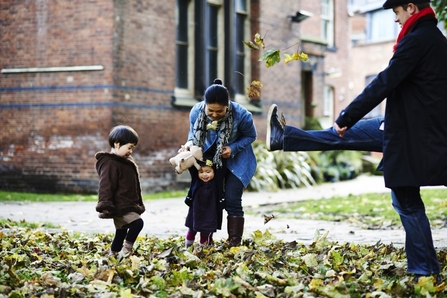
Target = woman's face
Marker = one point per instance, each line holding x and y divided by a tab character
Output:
215	110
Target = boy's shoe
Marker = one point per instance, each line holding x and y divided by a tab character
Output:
112	253
126	250
124	253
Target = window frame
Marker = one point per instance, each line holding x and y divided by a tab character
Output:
185	96
327	22
227	50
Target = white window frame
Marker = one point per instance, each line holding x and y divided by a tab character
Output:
327	22
186	94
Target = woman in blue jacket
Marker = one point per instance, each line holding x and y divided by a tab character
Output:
226	130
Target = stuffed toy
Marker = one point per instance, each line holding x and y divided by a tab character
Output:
187	159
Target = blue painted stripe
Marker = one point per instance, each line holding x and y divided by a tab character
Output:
81	105
83	87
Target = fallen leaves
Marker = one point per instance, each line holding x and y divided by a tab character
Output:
37	263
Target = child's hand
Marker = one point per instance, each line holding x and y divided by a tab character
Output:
185	147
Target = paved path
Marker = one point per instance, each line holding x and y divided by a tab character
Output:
165	218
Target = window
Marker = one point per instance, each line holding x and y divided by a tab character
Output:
327	21
328	101
380	25
209	45
240	62
377	111
184	52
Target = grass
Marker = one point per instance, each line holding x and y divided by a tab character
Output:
7	223
373	210
8	196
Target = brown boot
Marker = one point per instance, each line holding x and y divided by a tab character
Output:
235	226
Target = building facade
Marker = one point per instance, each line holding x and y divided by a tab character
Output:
71	70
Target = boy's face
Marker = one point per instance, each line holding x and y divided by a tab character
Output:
206	173
123	151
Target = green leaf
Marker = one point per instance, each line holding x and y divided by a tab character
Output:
271	57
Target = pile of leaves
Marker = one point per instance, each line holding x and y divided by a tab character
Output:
39	263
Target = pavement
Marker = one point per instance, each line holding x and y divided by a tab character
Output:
164	218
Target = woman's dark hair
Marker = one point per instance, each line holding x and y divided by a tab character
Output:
217	93
123	134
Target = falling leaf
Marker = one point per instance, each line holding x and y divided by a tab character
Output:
254	90
271	57
268	218
259	40
251	45
295	56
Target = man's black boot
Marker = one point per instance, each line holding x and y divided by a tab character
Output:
275	130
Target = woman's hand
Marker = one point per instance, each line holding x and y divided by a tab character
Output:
226	152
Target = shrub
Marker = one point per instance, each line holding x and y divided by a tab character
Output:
280	170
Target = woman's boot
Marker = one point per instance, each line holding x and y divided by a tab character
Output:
235	226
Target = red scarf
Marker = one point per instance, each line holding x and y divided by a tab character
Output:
428	11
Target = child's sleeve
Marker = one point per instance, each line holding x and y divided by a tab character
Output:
108	178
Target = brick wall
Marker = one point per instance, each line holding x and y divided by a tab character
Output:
282	83
54	123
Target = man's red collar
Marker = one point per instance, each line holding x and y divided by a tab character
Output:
428	11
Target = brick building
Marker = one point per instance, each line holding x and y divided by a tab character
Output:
71	70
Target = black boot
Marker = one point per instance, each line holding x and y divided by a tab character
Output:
235	226
275	129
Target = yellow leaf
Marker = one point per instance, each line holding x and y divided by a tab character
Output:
295	56
259	40
251	45
290	57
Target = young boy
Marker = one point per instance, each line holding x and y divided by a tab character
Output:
205	208
119	193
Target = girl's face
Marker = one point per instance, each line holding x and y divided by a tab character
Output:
206	173
215	110
123	151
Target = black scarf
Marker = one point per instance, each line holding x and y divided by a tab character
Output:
224	126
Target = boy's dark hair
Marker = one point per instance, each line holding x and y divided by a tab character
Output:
217	93
123	134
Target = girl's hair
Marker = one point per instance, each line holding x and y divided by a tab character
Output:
123	134
217	93
206	159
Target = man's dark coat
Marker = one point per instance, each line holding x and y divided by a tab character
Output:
415	85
